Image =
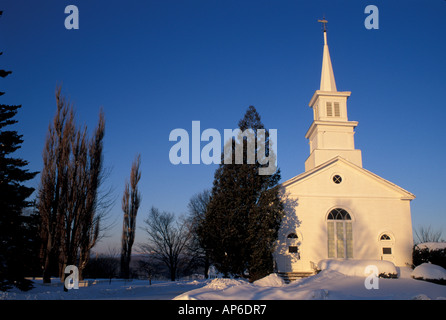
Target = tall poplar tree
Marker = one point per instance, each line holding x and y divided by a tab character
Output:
130	205
68	202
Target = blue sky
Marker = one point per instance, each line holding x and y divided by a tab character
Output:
156	66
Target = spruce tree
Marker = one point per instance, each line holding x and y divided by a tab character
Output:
245	211
14	236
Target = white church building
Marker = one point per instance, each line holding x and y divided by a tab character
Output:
337	209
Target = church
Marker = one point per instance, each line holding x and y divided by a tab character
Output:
336	209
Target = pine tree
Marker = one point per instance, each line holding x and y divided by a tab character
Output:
130	205
245	211
13	199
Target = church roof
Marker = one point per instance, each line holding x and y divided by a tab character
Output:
405	195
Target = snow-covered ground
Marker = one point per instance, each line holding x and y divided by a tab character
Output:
103	290
328	284
336	281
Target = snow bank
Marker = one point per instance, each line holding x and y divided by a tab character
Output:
357	268
272	280
326	285
429	271
223	283
432	245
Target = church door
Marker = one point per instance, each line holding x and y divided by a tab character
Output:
386	240
292	258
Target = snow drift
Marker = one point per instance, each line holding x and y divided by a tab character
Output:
357	268
429	271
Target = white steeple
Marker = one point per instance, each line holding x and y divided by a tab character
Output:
328	82
331	134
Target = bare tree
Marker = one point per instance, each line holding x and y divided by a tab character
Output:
68	194
148	267
105	265
53	185
93	207
130	205
197	212
168	238
427	234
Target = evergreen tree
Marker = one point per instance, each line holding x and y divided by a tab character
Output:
14	236
245	211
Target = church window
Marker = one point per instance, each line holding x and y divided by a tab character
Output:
337	110
339	214
337	179
329	109
385	237
292	249
333	109
292	236
339	234
387	250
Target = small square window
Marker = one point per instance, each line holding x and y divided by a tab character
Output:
387	250
292	249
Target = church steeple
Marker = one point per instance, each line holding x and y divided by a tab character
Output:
328	82
331	133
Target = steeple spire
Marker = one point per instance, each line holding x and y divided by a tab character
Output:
328	82
331	134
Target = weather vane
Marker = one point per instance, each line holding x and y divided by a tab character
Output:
323	21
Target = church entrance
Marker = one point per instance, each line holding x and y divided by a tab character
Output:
292	258
339	234
386	243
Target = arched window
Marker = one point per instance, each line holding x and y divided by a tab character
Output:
339	234
385	237
338	214
292	236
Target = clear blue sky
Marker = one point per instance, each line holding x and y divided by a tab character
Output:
156	66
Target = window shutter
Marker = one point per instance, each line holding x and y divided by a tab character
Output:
337	110
329	110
